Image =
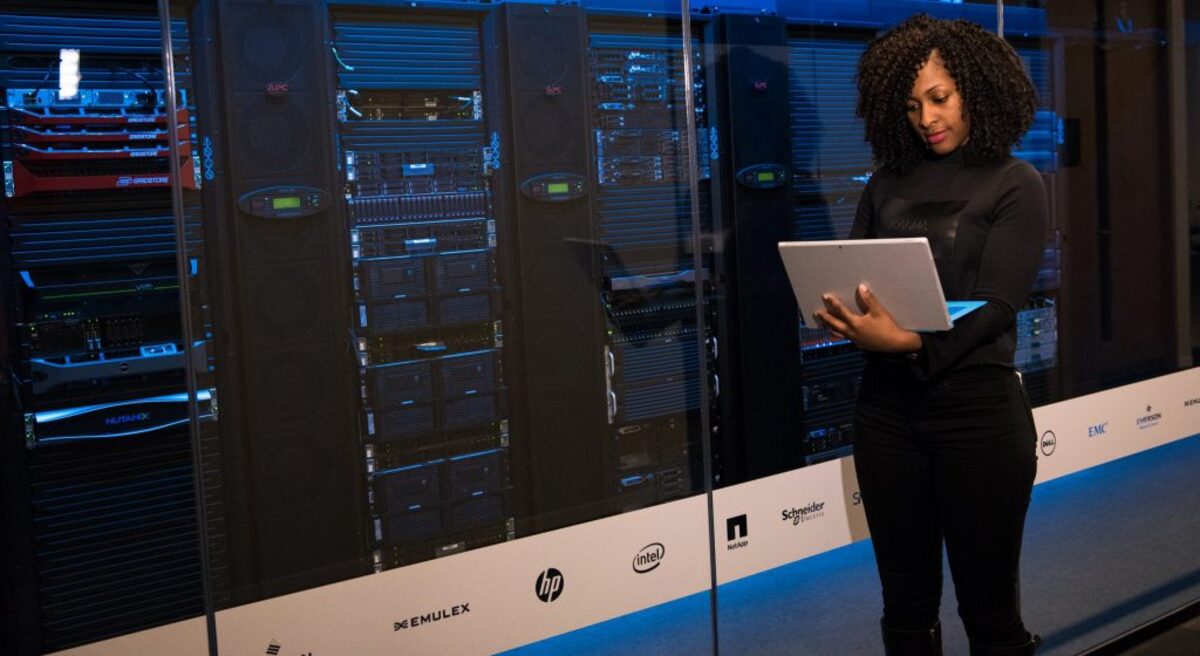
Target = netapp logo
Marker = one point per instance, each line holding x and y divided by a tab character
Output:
737	529
808	513
1191	402
1098	429
549	585
428	618
1151	418
1049	441
117	420
649	558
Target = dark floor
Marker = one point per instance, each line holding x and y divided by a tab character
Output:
1183	640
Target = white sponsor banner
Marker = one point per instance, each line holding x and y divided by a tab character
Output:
1094	429
488	600
783	518
1072	436
186	638
491	599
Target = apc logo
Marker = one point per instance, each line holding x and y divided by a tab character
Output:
1048	442
1098	430
549	585
649	558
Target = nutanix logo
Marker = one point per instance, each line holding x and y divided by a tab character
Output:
737	530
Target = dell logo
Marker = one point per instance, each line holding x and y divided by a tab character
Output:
549	585
1049	441
649	558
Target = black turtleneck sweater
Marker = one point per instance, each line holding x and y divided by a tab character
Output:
986	226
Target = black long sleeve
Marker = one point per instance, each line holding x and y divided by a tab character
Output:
986	225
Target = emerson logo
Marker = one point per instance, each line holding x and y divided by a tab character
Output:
649	558
1048	442
428	618
737	529
1151	418
549	585
798	516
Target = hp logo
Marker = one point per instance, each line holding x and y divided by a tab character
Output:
549	585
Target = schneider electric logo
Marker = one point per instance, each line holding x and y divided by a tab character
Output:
737	530
649	558
549	585
1151	418
428	618
1048	442
798	516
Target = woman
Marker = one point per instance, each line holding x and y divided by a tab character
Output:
944	442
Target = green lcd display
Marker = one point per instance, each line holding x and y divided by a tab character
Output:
558	188
286	203
766	176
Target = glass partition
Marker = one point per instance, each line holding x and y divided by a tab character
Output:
100	533
1108	306
458	318
358	326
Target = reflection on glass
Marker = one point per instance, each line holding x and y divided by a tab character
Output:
100	523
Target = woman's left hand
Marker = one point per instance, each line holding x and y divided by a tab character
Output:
873	330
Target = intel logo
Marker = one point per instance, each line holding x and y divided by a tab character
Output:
649	558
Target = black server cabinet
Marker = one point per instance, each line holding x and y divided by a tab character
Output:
293	495
760	409
538	92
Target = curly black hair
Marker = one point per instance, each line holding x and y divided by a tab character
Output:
996	92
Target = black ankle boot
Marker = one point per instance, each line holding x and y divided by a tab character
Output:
1027	648
924	642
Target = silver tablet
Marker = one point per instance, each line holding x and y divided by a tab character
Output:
900	272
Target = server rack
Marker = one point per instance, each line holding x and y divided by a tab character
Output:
96	445
417	164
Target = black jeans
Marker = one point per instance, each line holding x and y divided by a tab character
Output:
949	461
